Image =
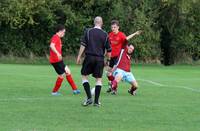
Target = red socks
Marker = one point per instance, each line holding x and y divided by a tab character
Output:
58	84
111	78
60	80
114	85
71	82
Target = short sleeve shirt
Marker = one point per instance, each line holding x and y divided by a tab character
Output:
118	41
58	45
96	42
125	62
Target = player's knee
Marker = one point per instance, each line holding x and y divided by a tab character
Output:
61	76
67	70
118	77
98	81
108	73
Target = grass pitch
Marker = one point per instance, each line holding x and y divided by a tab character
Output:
168	100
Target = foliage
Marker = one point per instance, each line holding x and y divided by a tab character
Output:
171	27
180	30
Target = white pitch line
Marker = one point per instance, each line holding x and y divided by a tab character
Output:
32	98
145	80
152	82
176	86
21	99
188	88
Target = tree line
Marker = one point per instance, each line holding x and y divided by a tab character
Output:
171	28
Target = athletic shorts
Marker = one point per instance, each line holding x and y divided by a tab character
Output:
126	76
113	61
93	65
59	67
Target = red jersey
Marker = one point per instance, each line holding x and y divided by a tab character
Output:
118	41
58	45
124	62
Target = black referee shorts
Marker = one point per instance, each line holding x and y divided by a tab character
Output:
59	67
113	61
93	65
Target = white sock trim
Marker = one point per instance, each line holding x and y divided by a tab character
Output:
84	81
98	83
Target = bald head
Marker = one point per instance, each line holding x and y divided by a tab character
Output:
98	21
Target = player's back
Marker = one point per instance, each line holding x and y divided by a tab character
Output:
96	40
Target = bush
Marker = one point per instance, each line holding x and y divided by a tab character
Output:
171	28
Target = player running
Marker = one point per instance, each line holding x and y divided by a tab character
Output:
122	71
56	61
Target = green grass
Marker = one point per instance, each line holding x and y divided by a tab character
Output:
33	60
26	103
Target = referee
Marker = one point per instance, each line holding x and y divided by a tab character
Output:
94	42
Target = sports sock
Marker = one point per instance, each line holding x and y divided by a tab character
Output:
111	78
86	86
58	84
114	85
97	93
71	82
133	88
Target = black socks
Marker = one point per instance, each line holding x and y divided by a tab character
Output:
97	93
86	86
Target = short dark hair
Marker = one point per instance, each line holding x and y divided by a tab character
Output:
115	22
59	27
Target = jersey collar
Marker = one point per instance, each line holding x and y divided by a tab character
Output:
98	27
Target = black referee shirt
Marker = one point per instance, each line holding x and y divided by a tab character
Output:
95	41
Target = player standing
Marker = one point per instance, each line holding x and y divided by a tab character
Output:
56	61
94	43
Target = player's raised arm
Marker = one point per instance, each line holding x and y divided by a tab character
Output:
134	34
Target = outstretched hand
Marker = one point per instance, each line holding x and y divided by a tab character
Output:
138	32
134	34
